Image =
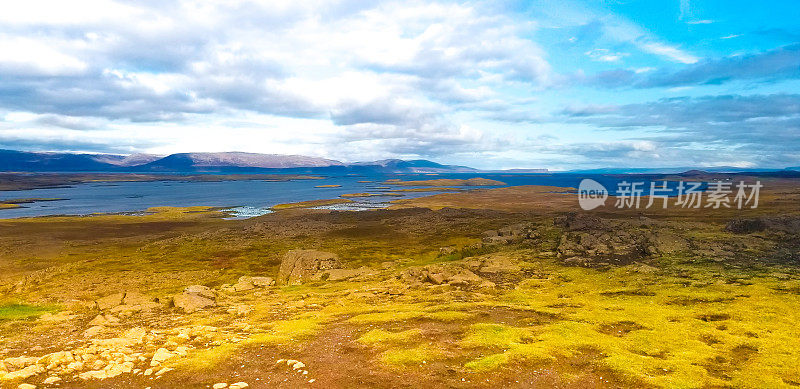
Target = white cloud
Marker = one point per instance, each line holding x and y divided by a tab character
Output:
22	56
671	52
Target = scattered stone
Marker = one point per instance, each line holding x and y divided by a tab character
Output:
91	332
26	386
60	316
192	302
136	334
200	290
244	283
443	251
465	278
220	385
298	365
262	282
109	302
104	320
160	356
135	298
52	380
341	274
93	374
239	385
24	373
299	266
163	371
436	278
240	310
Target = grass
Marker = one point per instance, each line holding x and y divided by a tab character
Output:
649	337
407	357
690	324
17	311
379	337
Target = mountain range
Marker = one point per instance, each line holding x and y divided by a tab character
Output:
239	162
226	162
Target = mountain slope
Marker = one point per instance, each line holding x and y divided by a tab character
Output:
20	161
237	160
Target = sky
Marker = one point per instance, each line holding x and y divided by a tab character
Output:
497	84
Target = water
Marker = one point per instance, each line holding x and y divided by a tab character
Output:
253	198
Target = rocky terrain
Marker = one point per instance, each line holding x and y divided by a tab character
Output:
511	294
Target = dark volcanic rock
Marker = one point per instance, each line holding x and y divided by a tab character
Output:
579	222
590	241
785	224
745	226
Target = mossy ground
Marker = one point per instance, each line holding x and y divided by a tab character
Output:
692	321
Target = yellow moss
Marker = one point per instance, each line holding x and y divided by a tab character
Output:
495	335
287	331
416	356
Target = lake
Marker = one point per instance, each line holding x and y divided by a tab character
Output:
253	197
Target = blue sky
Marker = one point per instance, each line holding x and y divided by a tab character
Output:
555	84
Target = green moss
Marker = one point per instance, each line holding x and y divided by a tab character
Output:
16	311
416	356
495	335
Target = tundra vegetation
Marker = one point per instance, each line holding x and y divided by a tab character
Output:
487	288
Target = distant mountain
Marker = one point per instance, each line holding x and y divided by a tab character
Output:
228	162
669	170
127	160
201	161
413	166
20	161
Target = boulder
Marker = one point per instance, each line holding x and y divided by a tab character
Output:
785	224
160	356
93	331
262	282
191	302
200	290
110	301
299	266
244	283
340	274
22	374
578	222
135	298
465	278
104	320
60	316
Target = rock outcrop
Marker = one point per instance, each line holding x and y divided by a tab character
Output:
590	241
784	224
195	298
299	266
479	272
125	304
510	234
